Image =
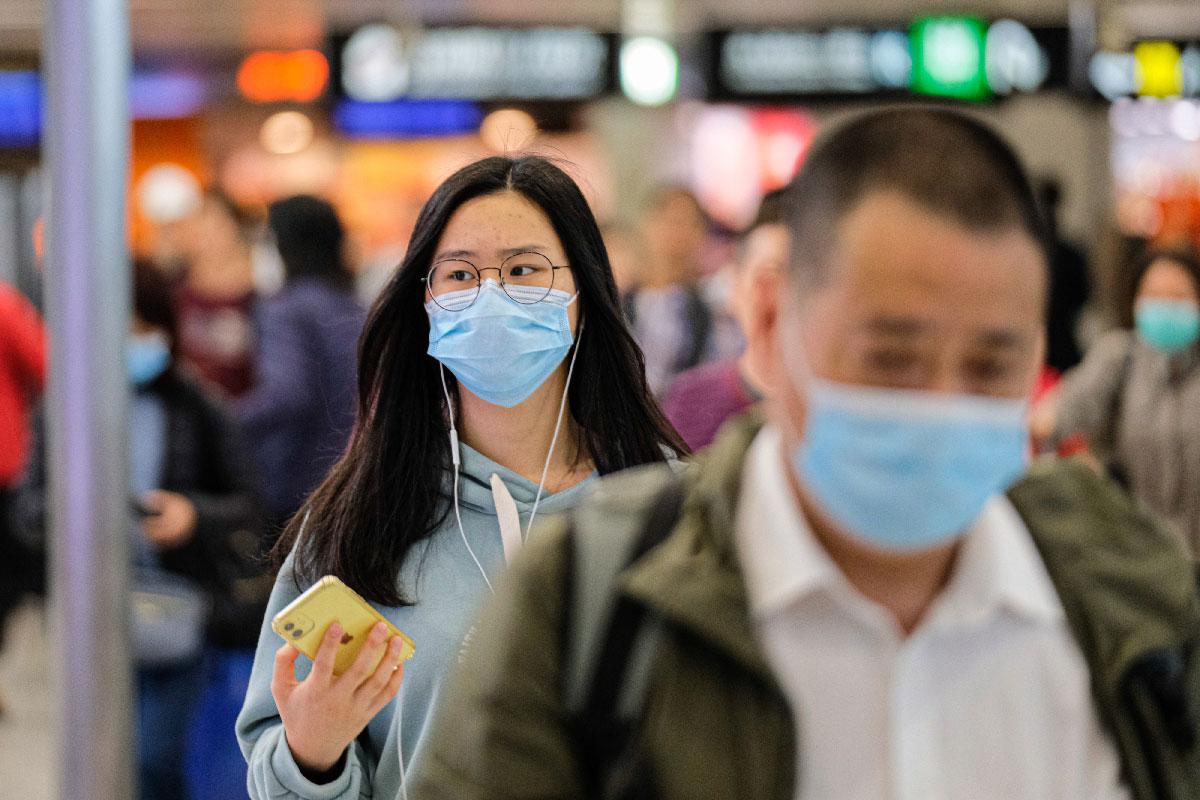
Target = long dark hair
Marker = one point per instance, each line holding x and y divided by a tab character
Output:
387	492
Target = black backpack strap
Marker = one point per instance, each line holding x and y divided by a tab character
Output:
1112	431
1157	697
611	636
629	307
699	319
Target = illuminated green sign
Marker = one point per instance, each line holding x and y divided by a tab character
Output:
948	57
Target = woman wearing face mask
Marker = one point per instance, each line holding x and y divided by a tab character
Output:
496	379
1135	400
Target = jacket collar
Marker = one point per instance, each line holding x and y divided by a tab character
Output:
693	578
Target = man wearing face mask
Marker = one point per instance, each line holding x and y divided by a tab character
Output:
870	596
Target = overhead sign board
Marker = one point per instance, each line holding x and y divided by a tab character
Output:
948	57
380	63
951	56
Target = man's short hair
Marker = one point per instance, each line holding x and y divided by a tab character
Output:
773	210
153	300
945	161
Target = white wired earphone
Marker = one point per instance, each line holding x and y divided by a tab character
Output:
457	457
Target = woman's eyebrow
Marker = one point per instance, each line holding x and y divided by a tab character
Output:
529	248
454	254
505	253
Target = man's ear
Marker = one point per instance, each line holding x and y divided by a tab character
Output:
762	308
1042	347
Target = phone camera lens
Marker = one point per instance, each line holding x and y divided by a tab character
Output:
289	626
297	634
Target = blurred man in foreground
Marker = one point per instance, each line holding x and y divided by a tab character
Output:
868	596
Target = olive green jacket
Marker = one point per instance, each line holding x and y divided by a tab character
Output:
715	724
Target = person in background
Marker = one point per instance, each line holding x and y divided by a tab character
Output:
299	413
670	318
700	400
625	253
1070	286
195	531
853	600
497	378
22	378
215	300
1134	402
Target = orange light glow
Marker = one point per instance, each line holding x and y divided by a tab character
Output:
276	77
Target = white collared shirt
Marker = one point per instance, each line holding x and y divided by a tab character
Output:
990	697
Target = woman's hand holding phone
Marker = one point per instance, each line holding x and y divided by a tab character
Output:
323	714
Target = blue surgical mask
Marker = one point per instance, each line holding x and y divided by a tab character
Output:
147	356
498	348
907	470
1168	325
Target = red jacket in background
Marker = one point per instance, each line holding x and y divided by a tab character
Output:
22	377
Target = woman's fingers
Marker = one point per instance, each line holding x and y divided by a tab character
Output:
362	668
327	653
383	673
283	678
395	678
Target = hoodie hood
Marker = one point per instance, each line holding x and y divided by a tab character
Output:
475	491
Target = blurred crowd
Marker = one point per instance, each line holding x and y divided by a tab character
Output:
243	372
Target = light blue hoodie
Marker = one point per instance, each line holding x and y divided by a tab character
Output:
449	590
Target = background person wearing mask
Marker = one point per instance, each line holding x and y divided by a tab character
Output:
670	317
703	398
195	531
215	300
625	253
846	603
22	377
299	414
1134	403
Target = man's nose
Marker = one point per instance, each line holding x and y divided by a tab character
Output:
946	378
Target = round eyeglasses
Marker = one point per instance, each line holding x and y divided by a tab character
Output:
527	278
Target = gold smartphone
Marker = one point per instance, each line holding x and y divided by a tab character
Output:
304	621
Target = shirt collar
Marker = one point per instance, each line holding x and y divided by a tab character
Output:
998	566
781	557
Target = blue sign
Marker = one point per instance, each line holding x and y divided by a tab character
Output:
152	95
20	109
407	119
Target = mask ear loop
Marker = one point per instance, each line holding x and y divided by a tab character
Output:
557	428
457	458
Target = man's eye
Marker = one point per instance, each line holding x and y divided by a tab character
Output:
987	369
